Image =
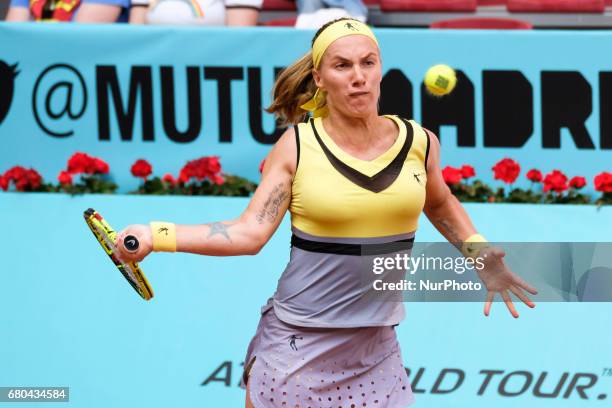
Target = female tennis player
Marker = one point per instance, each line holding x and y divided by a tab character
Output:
350	179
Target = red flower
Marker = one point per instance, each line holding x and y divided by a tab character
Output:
217	179
141	168
83	163
4	183
261	165
65	178
184	176
24	179
21	184
451	175
577	182
34	179
534	175
100	166
79	163
555	181
467	171
202	168
187	172
603	182
169	178
506	170
15	173
213	164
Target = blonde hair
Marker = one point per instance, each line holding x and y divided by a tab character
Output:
295	86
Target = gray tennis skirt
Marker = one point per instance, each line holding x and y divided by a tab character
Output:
290	366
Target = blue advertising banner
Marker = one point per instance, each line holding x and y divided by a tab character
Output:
69	319
169	95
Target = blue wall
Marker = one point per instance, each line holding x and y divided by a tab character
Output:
69	319
573	63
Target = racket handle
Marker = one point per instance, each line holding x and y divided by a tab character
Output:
131	243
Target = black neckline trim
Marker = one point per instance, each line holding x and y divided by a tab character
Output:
379	181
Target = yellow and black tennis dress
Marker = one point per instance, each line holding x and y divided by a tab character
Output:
322	340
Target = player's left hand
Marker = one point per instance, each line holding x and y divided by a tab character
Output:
498	278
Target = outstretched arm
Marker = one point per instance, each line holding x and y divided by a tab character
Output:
244	235
450	218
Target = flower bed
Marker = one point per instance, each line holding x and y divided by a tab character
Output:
87	174
553	188
204	176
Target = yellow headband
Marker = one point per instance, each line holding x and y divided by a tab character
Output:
334	31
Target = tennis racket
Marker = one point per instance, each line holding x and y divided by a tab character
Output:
106	237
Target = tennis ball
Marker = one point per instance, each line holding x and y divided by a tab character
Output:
440	80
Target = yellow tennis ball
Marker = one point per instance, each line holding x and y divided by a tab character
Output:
440	80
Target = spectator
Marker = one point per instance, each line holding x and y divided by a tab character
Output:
198	12
315	13
83	11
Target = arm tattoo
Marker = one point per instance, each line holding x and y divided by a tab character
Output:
452	234
270	209
219	228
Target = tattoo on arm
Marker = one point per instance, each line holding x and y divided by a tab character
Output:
450	231
219	228
269	212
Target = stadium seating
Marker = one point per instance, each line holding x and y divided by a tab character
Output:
280	22
482	23
557	6
492	2
427	5
278	5
438	13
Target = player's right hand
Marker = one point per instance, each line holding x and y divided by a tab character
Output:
145	243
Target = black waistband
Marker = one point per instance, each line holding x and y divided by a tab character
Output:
351	249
